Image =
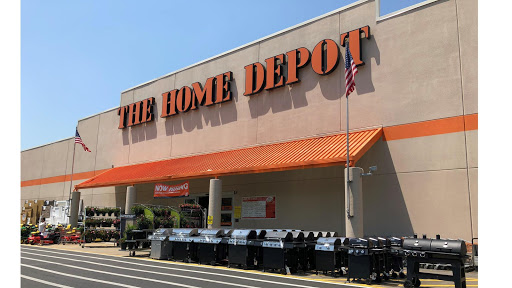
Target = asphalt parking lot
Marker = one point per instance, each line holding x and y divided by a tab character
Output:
104	265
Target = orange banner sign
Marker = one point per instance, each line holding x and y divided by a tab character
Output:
180	190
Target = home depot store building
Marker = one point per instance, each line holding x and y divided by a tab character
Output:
268	120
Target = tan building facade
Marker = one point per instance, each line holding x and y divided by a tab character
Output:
419	83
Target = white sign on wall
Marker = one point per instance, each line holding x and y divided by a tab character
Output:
260	207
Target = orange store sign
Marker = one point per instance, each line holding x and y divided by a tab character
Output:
279	70
180	190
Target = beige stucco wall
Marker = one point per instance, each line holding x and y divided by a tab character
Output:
420	65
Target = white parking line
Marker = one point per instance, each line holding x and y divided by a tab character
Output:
146	271
79	277
189	270
44	282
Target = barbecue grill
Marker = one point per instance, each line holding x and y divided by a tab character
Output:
395	258
435	251
161	248
239	252
365	259
258	244
183	247
282	249
211	245
310	237
331	254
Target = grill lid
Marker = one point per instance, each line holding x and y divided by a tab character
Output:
449	246
298	236
261	233
212	233
160	234
419	244
243	234
386	242
360	243
328	241
309	236
281	236
185	232
395	241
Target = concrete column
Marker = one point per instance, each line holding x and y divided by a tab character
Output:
215	202
75	206
131	196
354	190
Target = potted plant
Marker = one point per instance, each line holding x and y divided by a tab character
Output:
116	222
102	235
89	211
128	232
138	210
158	211
117	211
122	243
143	222
158	221
106	222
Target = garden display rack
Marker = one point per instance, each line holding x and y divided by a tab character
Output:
103	219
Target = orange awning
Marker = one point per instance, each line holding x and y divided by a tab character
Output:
305	153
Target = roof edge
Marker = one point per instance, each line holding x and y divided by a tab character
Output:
61	140
251	43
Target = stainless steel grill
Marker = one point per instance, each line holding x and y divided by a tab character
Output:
161	248
212	245
282	250
239	252
183	247
331	254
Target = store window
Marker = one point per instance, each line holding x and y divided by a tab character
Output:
226	215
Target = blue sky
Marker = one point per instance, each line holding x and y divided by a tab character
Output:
77	56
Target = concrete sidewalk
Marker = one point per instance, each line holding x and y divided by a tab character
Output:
109	249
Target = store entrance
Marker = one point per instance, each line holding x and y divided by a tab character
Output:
226	208
203	201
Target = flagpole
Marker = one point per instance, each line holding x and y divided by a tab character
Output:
348	158
348	167
72	165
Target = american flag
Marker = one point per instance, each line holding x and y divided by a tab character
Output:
78	140
350	72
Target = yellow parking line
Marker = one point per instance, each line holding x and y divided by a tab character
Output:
450	285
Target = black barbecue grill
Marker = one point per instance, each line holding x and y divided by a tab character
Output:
310	237
435	251
331	254
395	258
212	246
282	250
183	247
366	259
258	244
239	252
161	248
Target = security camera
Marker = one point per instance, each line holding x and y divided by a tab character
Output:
370	170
